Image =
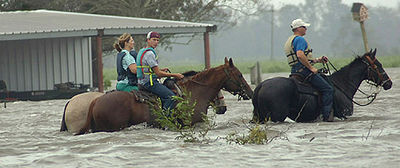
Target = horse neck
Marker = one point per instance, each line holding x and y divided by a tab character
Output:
206	85
349	78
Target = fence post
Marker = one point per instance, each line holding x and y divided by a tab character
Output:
258	81
255	74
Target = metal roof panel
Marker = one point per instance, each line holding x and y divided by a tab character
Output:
45	22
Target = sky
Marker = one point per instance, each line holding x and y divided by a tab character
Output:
368	3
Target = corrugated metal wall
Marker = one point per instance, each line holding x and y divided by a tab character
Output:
31	65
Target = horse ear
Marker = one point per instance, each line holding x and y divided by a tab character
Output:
226	60
374	52
231	62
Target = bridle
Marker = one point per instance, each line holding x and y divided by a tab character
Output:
241	93
372	67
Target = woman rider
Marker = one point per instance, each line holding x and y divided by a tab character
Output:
126	63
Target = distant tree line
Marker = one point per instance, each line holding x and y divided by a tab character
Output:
332	32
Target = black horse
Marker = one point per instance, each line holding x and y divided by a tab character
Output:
280	97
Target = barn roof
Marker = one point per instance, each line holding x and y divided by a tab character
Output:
37	24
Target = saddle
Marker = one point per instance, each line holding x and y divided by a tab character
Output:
145	96
303	86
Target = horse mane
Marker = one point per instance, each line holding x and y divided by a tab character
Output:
199	75
190	73
204	74
356	59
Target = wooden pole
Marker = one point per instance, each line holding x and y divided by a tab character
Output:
206	50
253	74
258	79
364	35
100	60
272	32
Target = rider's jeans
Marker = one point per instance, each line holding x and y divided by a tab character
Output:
163	92
318	82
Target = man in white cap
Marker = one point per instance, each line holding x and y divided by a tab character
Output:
299	56
148	71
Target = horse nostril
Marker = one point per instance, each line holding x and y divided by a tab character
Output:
387	85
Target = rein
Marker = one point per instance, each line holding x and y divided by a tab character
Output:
371	65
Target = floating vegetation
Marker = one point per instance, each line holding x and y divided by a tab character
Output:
180	118
256	135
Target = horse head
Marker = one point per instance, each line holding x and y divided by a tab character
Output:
376	73
235	83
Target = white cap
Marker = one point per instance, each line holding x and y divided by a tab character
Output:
298	23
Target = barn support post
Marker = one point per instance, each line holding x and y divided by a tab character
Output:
99	50
219	100
207	50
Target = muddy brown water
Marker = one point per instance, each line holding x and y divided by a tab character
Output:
30	137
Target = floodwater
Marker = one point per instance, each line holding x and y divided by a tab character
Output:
30	137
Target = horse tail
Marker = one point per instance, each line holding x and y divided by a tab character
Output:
256	109
261	112
63	124
89	119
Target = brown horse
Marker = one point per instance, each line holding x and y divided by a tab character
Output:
118	110
77	108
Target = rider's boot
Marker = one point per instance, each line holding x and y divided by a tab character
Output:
328	117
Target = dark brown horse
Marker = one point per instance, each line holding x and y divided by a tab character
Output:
117	110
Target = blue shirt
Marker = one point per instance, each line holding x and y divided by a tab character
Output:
299	43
